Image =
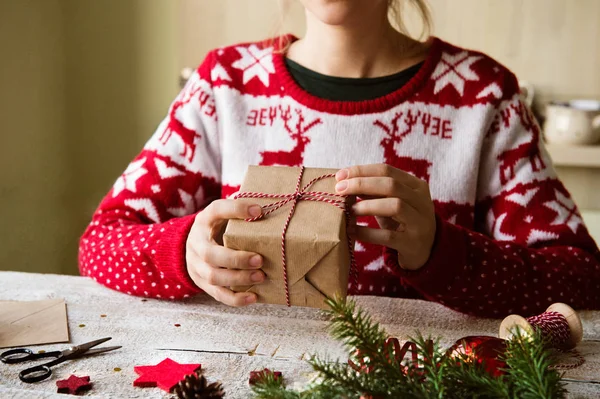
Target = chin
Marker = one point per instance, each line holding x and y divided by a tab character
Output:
341	12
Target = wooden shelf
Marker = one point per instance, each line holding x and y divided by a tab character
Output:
583	156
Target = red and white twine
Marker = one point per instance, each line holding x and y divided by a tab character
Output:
293	198
555	329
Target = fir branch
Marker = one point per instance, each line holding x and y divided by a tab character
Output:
468	379
529	362
435	375
354	328
432	384
326	391
357	331
377	383
270	387
340	375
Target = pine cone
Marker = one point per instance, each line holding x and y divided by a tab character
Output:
195	386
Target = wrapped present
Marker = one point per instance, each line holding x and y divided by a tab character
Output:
302	235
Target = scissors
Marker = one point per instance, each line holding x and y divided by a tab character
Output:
43	371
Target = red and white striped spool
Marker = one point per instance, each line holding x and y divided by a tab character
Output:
559	324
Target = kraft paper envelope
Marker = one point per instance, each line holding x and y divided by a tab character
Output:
33	323
316	242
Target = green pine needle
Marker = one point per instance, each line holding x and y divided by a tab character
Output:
472	381
436	375
353	327
271	388
529	362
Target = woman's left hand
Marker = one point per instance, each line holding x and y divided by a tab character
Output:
402	205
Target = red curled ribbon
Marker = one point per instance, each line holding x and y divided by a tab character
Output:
392	347
293	198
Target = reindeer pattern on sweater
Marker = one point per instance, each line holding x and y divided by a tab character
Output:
509	238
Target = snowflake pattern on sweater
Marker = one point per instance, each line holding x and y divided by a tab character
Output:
509	238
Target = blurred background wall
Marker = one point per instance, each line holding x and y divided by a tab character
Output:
33	156
83	84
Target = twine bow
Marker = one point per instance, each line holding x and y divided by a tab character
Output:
293	198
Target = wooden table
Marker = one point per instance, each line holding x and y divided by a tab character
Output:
228	342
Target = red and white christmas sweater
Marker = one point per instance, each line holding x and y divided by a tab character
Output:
509	237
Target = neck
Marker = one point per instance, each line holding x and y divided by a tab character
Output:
367	48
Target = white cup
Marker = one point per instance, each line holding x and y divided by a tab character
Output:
573	122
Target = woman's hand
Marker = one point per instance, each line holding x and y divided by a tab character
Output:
402	205
213	267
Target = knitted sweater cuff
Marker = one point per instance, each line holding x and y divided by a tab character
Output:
170	252
445	262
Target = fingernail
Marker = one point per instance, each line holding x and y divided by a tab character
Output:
341	186
342	174
250	299
255	211
257	277
256	261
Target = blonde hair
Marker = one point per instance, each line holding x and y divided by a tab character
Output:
397	11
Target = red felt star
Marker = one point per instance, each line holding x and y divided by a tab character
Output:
258	376
74	385
164	375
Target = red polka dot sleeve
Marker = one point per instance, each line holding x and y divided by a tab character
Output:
136	240
531	247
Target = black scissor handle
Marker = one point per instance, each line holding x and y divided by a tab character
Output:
24	355
35	374
16	356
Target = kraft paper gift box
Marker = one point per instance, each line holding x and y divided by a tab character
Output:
317	246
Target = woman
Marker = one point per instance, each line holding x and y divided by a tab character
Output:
461	203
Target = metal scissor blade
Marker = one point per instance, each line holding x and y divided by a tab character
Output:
101	350
88	345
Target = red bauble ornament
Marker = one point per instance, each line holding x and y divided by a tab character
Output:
74	385
483	350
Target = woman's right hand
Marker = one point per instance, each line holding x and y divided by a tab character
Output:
215	268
